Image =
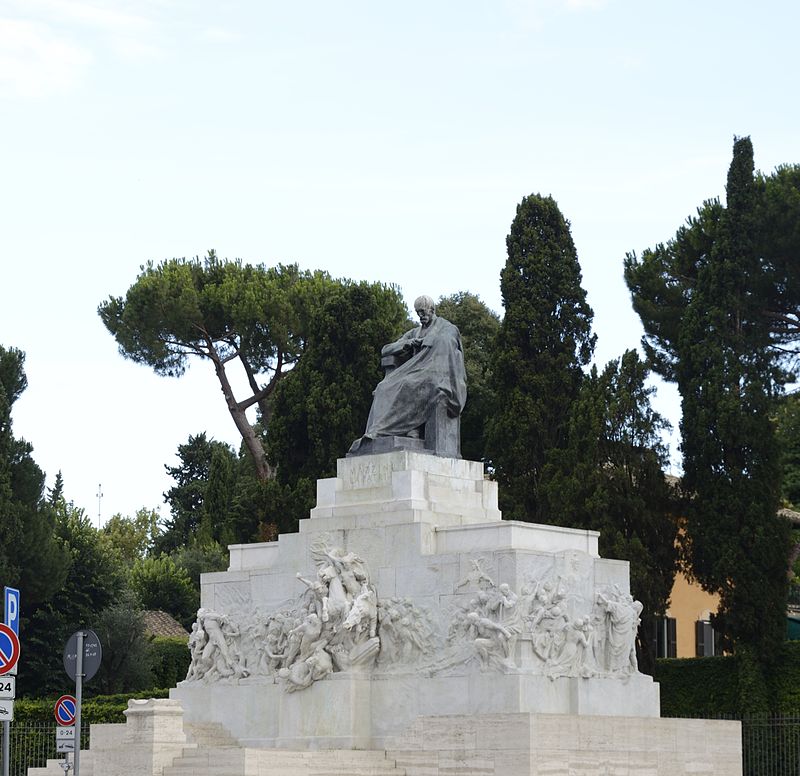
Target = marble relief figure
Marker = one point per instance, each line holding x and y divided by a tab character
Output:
332	625
620	622
338	622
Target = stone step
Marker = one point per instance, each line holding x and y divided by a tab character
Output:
219	760
209	734
53	767
236	761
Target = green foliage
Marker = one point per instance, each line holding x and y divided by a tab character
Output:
169	659
187	497
715	302
94	580
174	308
753	690
730	685
263	319
132	537
323	404
196	559
544	341
698	687
788	429
479	327
256	510
126	657
786	678
159	583
56	493
218	499
95	710
224	312
609	478
30	556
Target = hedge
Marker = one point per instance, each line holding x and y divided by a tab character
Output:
101	708
715	686
169	660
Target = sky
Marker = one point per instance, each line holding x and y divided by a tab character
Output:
378	141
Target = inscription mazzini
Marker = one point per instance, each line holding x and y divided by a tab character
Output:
368	474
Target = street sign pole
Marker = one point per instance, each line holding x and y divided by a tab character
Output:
6	747
11	619
83	654
76	759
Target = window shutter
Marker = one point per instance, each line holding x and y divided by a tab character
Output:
699	639
653	636
672	637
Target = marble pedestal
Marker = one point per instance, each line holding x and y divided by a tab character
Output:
431	536
155	742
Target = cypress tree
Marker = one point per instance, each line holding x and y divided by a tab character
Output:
728	378
544	341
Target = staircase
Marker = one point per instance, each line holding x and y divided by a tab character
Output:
212	751
236	761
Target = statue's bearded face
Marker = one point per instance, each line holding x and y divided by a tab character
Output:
425	313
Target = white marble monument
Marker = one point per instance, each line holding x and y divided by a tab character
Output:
404	596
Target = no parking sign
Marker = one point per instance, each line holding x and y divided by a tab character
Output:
9	650
65	709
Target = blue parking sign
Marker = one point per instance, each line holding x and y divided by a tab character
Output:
11	597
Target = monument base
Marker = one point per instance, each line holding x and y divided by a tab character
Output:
352	711
153	743
568	745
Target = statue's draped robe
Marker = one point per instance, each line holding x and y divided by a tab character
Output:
404	399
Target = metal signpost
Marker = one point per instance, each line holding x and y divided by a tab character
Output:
82	657
8	668
65	710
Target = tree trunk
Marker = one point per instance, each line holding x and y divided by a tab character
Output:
251	441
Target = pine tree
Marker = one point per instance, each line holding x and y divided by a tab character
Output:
545	339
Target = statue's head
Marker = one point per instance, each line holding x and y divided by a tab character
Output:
425	309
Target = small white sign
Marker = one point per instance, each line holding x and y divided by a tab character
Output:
65	734
6	711
65	745
8	688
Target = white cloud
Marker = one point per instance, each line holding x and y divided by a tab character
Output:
47	46
36	62
108	15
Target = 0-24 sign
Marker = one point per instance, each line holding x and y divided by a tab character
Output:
8	688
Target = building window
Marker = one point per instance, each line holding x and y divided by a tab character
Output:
665	641
706	639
